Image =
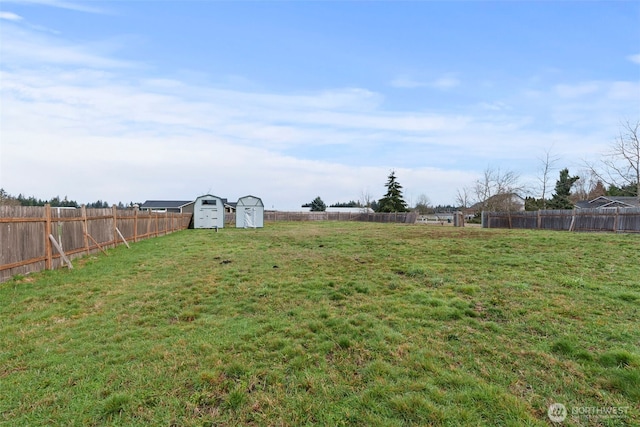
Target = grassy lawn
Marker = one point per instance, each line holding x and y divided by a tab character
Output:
329	324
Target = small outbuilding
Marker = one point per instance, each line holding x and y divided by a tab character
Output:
249	212
173	206
208	212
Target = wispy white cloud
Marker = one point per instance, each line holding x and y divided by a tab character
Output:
629	91
606	90
407	82
77	6
22	46
445	82
634	58
19	20
576	90
10	16
495	106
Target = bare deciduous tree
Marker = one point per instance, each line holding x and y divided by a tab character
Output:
588	187
463	197
423	204
620	166
547	166
365	199
495	190
498	190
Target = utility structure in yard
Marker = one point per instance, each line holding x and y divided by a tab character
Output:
249	212
208	212
175	206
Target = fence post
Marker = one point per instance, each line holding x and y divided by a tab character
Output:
114	211
616	220
135	224
485	216
539	222
85	228
573	220
47	242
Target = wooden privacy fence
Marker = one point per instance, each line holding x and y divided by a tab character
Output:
402	217
621	220
34	238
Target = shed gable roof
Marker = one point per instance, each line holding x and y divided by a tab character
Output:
255	201
224	201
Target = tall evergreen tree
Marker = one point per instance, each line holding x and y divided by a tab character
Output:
317	205
625	190
392	200
533	204
560	199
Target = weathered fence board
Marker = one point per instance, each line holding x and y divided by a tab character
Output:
24	233
620	220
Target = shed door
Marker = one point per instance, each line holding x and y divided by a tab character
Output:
250	217
208	217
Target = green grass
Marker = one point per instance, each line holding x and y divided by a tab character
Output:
328	324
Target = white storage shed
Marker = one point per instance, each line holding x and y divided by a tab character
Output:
249	212
208	212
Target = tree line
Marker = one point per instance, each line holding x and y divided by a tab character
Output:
7	199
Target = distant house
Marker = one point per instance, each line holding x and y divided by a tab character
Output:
507	202
609	202
229	207
175	206
350	210
441	217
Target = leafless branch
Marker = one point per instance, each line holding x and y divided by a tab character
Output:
547	166
620	165
497	190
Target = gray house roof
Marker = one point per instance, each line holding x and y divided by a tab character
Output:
165	204
505	201
229	206
177	205
228	203
604	202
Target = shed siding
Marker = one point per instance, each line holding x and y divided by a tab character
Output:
249	212
208	212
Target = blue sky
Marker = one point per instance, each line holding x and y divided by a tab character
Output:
289	100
